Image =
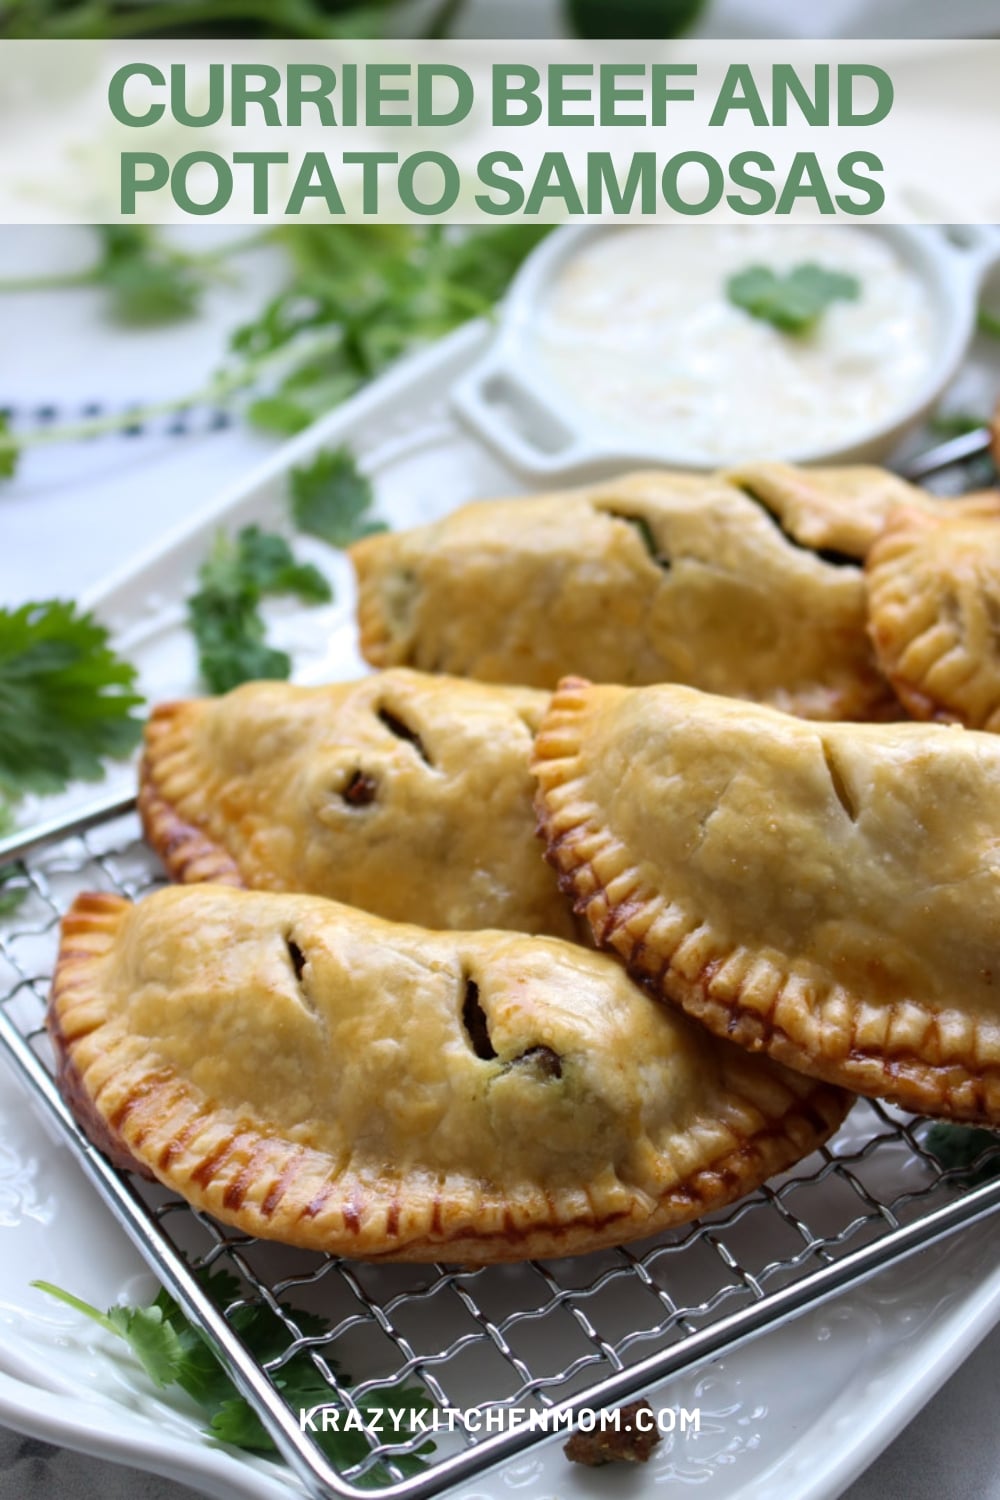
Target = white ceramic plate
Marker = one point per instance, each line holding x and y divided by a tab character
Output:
797	1413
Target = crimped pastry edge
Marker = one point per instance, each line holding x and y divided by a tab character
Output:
217	1180
187	852
622	920
890	600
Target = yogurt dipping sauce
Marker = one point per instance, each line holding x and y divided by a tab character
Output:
637	329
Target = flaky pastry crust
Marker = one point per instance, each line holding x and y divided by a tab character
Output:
404	794
314	1075
657	577
934	611
825	894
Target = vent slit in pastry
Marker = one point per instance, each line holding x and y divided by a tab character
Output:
828	555
475	1023
296	957
544	1062
366	1125
645	531
841	790
361	790
403	732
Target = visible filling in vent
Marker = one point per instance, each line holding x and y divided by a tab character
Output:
641	526
360	790
296	957
543	1060
403	732
825	554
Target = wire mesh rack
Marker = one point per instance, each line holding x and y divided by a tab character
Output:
521	1348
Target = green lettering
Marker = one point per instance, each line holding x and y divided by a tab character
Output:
554	180
261	162
216	105
315	180
739	91
223	182
451	183
487	171
132	183
805	180
765	192
786	83
298	94
603	184
661	94
517	85
715	182
873	192
116	94
847	76
428	75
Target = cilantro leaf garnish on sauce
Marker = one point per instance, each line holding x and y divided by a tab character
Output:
794	302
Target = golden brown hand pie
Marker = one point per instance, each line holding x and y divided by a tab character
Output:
650	578
829	894
315	1075
934	611
407	795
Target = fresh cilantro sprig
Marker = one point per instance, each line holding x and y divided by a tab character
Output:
795	302
331	499
958	1149
953	424
66	699
224	611
355	299
172	1351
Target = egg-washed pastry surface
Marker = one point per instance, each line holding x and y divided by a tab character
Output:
934	611
658	577
405	794
828	894
315	1075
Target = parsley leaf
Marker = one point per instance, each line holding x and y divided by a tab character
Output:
331	499
794	302
66	699
148	281
173	1352
8	448
224	612
959	1147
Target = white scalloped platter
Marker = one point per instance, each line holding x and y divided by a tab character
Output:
793	1415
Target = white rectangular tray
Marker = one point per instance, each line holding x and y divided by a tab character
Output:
872	1356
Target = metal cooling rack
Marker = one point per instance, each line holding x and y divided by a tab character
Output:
543	1336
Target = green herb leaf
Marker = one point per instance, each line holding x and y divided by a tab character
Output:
66	699
952	424
152	1340
8	449
959	1147
331	499
173	1351
224	613
633	18
989	323
794	302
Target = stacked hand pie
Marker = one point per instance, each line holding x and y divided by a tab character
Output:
303	1061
